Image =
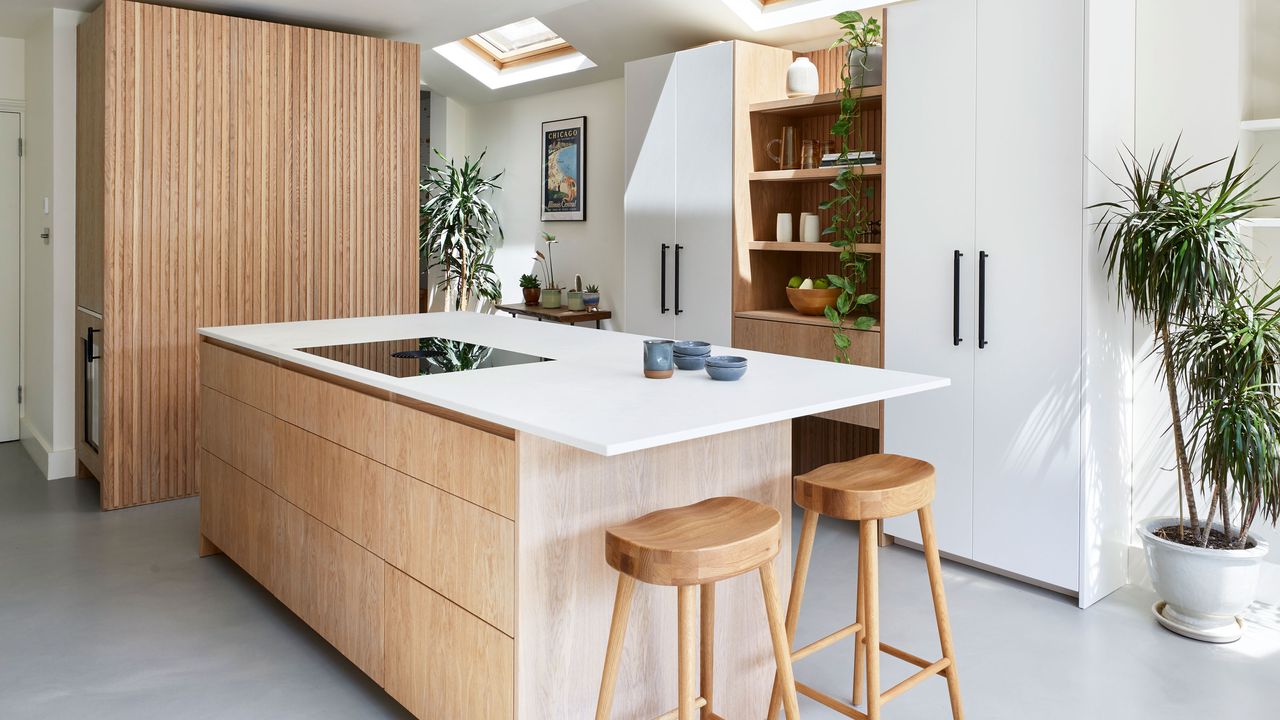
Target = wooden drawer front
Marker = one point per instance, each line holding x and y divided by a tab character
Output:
244	378
813	342
237	433
236	514
472	464
340	487
352	419
458	549
442	662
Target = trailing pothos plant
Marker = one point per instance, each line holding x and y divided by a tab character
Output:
850	218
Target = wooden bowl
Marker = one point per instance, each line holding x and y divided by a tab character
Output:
812	302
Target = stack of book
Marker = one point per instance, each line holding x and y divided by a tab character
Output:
858	157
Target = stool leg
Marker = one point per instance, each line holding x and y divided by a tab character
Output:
687	649
934	562
707	636
803	555
778	632
871	612
613	653
860	640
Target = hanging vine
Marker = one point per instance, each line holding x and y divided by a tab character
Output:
851	218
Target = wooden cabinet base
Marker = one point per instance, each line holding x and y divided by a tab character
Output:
469	580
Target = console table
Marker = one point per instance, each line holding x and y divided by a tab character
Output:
560	314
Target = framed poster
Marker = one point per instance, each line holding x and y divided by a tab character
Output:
564	169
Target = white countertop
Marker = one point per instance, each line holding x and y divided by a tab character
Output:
595	397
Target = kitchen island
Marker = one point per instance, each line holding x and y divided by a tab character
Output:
445	531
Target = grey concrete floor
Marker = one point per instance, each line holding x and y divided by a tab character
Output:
112	615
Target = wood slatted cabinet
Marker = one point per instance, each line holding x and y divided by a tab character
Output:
229	171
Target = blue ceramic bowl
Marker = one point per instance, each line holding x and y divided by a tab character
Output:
729	361
726	373
692	347
690	362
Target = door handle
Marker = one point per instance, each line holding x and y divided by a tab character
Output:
955	298
663	273
982	299
86	381
679	247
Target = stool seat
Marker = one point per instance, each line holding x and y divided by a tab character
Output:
701	543
870	487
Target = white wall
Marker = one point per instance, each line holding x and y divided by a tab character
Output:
511	131
48	352
11	62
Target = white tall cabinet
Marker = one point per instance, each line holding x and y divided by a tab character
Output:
994	109
678	201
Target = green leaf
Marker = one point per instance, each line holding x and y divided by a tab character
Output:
832	316
864	323
867	299
842	341
844	303
838	281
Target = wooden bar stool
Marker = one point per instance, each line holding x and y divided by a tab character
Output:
870	489
691	546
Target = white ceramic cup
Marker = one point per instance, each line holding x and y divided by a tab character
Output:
784	227
810	231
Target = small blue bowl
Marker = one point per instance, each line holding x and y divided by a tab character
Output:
690	362
726	373
729	361
692	347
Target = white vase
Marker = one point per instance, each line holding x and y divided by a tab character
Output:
810	230
1201	591
802	78
784	228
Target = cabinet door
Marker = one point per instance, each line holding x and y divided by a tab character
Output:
702	268
649	200
929	208
1027	388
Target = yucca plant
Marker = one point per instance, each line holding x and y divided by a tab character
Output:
456	230
1177	258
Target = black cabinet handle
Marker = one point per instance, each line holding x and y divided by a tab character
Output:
86	378
663	265
982	299
679	247
955	298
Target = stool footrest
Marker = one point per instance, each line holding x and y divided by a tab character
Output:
674	714
938	668
905	656
825	642
837	705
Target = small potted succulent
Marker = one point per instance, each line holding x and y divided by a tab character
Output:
531	286
591	297
574	296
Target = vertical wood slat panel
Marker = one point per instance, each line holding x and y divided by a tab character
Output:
248	173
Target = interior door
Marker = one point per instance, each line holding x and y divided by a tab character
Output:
649	200
10	216
929	216
1027	378
702	268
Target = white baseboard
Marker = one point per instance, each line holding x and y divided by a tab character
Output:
54	464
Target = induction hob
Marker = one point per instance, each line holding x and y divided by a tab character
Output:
421	356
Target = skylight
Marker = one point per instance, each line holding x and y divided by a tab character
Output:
769	14
520	52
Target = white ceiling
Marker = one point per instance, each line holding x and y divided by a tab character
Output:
610	32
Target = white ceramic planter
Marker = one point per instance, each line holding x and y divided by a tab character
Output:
1201	591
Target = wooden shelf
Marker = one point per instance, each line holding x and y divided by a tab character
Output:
791	316
822	104
802	247
811	174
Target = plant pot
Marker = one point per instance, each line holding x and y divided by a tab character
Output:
531	295
1201	591
550	298
874	73
591	299
575	300
812	302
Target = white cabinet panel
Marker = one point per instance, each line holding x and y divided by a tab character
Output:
704	194
929	195
1027	386
649	200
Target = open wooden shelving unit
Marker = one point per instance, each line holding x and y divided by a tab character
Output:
763	318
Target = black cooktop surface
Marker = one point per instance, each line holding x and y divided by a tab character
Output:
421	356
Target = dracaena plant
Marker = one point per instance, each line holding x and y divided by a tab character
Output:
1173	249
850	216
456	230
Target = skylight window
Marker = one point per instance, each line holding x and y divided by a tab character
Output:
516	53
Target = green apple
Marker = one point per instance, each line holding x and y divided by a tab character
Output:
821	284
795	282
